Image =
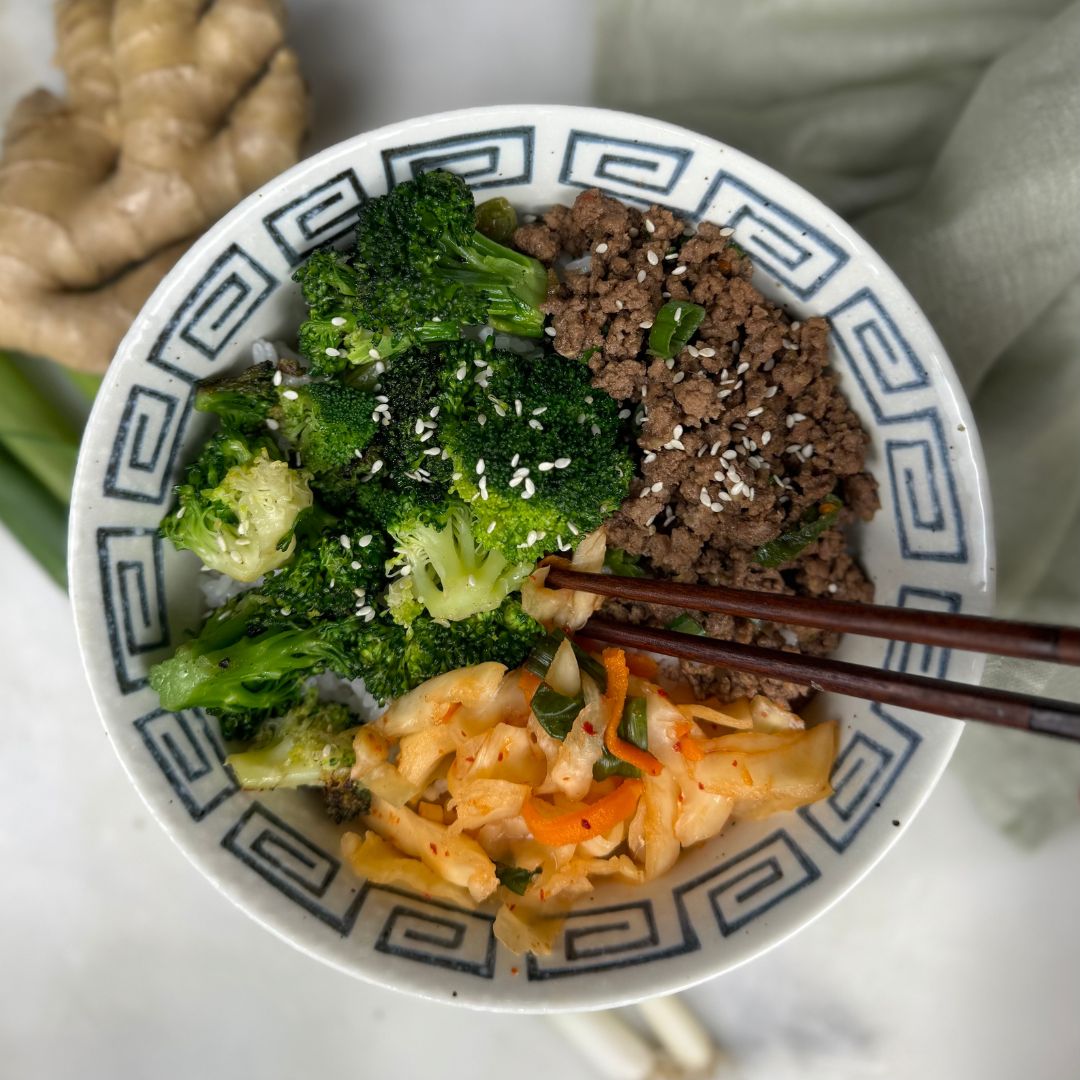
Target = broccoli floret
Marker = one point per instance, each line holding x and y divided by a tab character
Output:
249	662
310	746
336	334
419	256
396	660
330	425
538	454
449	572
333	574
242	401
238	506
419	273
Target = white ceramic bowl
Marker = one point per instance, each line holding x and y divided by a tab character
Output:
275	855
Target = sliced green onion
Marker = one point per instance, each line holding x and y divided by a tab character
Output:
556	712
539	660
622	563
35	432
34	517
684	624
515	878
674	326
497	220
788	545
633	728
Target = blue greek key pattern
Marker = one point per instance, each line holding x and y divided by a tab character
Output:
320	216
133	593
144	451
638	171
212	314
186	748
439	934
922	659
482	159
296	867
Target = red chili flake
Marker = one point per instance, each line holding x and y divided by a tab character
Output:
434	849
541	894
500	757
734	764
589	729
470	759
513	971
701	786
585	823
677	746
661	692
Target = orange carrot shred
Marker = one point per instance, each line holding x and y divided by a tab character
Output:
584	823
618	678
529	684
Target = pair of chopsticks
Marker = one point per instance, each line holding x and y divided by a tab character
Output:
973	633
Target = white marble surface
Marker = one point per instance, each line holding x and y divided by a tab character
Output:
956	958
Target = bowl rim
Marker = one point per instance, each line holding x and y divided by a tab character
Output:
577	995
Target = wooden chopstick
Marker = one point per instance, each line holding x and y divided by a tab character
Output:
1047	717
973	633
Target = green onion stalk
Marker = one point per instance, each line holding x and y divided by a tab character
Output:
39	444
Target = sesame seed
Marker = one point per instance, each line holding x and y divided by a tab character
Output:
562	463
649	226
768	365
798	417
374	354
290	395
727	231
483	488
595	429
669	363
337	320
649	457
491	528
514	460
677	431
789	420
572	527
678	314
794	448
515	480
530	489
461	373
481	419
271	424
657	487
808	451
833	587
742	368
725	496
679	270
600	249
537	426
766	438
707	351
332	352
679	378
796	325
479	466
704	497
550	331
376	466
756	412
654	259
789	344
692	351
277	378
771	391
716	507
624	414
540	411
546	466
345	542
641	275
671	255
729	455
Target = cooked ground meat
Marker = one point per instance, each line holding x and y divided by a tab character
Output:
740	435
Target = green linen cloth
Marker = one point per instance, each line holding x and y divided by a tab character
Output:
948	133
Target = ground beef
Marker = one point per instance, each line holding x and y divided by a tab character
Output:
739	436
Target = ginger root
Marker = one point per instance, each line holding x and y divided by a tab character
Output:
175	110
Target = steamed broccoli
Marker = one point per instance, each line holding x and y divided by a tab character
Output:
242	401
538	454
238	506
310	746
396	660
249	662
419	273
449	572
334	573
